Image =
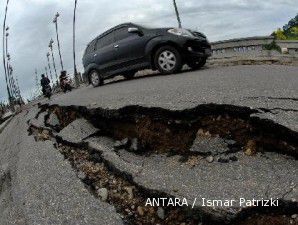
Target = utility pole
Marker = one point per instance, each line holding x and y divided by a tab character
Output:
46	70
55	21
10	78
74	45
13	84
54	64
177	14
18	89
48	58
36	82
4	53
8	70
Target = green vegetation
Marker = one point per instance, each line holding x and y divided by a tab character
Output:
272	46
289	31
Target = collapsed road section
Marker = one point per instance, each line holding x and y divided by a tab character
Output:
211	152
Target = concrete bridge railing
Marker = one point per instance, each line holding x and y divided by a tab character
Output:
253	48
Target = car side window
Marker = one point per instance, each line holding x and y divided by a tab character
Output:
90	47
122	33
105	41
98	44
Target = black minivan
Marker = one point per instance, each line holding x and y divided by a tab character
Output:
128	48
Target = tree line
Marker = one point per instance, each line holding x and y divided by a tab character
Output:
289	30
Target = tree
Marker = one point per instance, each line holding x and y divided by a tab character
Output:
289	31
292	23
279	34
288	27
294	30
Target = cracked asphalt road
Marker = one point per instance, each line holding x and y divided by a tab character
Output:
270	87
39	187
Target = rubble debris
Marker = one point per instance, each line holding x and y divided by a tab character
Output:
161	213
117	145
103	193
123	144
53	121
129	192
210	159
135	145
140	211
77	131
209	145
251	148
43	136
193	161
230	142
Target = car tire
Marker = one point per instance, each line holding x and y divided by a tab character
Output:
95	78
195	65
168	60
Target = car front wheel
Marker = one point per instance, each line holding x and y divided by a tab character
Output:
197	64
168	60
95	79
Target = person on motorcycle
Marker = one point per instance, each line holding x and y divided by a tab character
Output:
62	76
65	82
44	82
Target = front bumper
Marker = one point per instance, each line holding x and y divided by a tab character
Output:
196	49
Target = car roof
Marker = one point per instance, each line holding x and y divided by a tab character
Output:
112	29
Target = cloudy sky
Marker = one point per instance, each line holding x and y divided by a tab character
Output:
31	26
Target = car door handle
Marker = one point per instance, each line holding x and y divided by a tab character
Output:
116	46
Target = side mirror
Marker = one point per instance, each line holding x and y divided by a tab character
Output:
135	30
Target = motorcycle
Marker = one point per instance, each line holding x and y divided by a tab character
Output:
65	84
48	91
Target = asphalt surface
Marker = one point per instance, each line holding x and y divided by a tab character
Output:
37	186
273	87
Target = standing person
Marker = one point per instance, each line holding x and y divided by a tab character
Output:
44	82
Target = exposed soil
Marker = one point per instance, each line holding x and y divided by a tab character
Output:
174	132
268	220
65	116
125	196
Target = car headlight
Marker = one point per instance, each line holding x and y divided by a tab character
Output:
180	32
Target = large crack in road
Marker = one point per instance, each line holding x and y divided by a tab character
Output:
163	131
154	131
106	182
